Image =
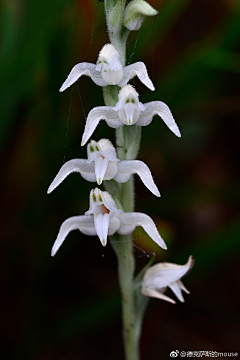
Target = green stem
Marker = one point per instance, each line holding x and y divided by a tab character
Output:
114	10
124	245
126	267
125	137
125	272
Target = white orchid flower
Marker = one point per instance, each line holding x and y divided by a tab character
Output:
103	218
129	111
109	70
103	164
160	276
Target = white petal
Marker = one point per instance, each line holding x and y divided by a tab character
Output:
99	198
114	123
109	55
128	167
76	165
109	63
176	290
182	287
110	203
83	223
107	149
156	294
101	222
92	150
115	62
138	69
114	224
125	95
95	201
129	221
80	70
100	168
158	107
111	170
128	105
95	115
162	274
112	77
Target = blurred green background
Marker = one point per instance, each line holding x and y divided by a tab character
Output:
68	307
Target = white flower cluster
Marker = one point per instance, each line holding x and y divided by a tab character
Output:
104	218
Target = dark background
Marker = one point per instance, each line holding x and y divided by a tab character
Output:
68	307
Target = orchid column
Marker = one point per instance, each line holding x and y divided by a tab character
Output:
111	212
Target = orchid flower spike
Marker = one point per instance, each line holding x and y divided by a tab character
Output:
160	276
109	70
103	164
104	218
129	111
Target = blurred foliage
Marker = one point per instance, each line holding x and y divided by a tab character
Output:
58	308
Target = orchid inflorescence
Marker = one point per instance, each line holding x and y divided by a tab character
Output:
124	112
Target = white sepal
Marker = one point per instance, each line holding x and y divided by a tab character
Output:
160	108
135	13
96	114
137	69
83	223
128	167
101	219
129	221
157	294
81	69
82	166
160	276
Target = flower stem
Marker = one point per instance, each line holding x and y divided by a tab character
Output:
125	272
124	246
126	267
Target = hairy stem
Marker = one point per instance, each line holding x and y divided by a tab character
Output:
124	246
125	273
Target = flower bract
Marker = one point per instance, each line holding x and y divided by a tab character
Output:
129	111
160	276
104	218
109	70
103	164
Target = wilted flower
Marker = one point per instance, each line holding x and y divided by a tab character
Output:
109	70
129	111
104	218
103	164
160	276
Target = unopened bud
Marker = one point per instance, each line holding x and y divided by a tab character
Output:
135	13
